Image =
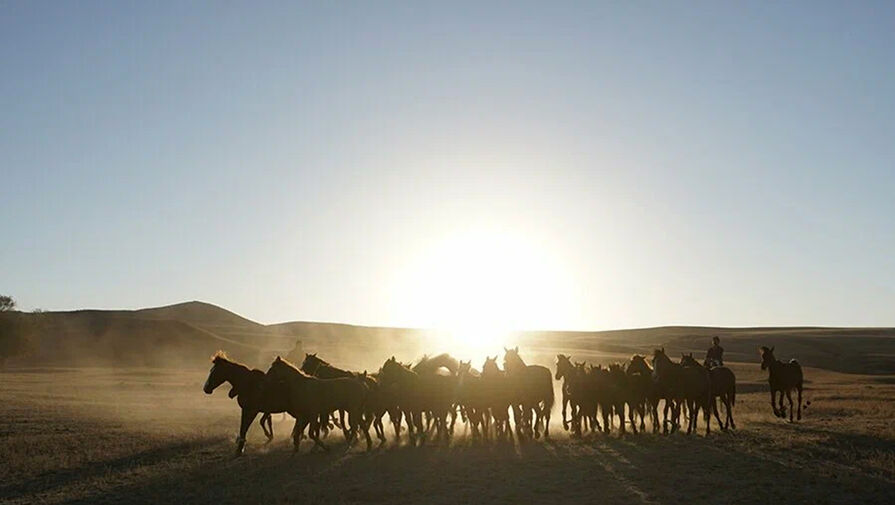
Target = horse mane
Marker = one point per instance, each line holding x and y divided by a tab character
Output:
221	357
293	367
433	363
317	358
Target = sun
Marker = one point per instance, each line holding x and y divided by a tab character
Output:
478	286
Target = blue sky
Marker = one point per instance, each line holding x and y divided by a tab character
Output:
635	163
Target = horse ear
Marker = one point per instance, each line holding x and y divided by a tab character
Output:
772	348
663	349
516	349
506	350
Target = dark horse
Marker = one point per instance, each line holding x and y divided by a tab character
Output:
684	384
253	392
783	378
724	387
416	394
311	398
533	388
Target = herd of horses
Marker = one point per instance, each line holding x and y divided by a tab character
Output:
494	403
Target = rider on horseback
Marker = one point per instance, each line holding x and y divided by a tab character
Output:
715	355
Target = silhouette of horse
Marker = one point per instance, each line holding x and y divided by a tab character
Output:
724	387
443	364
533	385
642	391
320	368
417	394
782	378
471	396
498	395
310	398
253	392
565	371
432	364
685	384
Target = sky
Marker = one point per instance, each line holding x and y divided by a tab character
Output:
519	165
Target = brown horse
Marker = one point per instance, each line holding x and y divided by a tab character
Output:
724	387
418	394
445	365
684	384
783	378
310	398
498	396
472	399
565	371
533	385
253	392
641	391
320	368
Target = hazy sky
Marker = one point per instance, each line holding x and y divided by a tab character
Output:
575	166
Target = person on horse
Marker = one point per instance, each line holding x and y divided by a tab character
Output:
715	355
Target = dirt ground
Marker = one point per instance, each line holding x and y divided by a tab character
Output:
152	436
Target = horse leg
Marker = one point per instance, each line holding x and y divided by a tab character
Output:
707	413
799	417
789	399
268	427
314	433
721	426
774	403
366	421
730	403
297	432
782	409
395	415
246	419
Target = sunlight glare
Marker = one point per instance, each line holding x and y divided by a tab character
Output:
479	286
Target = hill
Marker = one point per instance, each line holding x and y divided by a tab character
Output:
187	333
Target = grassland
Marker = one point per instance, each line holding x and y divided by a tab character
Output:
100	435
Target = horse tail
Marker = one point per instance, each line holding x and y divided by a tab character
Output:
733	395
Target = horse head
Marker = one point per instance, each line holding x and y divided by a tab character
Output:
564	366
490	366
217	375
688	360
511	359
767	356
638	364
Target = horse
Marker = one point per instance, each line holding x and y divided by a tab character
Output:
688	384
253	392
533	385
498	396
416	394
565	371
443	364
724	386
432	364
641	391
311	398
472	399
782	378
320	368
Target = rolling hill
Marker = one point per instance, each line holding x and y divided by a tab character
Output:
186	334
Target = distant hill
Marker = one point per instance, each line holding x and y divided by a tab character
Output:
186	334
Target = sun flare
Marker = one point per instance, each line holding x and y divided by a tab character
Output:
477	287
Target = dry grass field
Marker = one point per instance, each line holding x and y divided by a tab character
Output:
101	435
